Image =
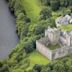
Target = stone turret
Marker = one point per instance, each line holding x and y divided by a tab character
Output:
53	35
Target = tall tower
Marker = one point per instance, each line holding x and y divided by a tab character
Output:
53	35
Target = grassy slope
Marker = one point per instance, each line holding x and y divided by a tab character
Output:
52	47
66	27
32	8
36	58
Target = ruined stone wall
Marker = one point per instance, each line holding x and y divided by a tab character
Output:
53	35
53	54
44	41
63	40
61	52
43	50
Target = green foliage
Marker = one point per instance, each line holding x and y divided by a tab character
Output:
64	3
51	22
66	27
64	65
32	8
45	2
45	13
53	47
22	25
55	4
36	58
4	66
38	29
67	12
28	47
37	68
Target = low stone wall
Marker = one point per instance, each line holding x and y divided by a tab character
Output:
61	52
53	54
44	50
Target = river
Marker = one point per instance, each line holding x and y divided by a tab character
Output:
8	36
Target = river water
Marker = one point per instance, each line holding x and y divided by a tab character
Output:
8	37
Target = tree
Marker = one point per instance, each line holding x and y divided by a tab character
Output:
11	5
70	2
4	68
37	68
38	29
67	12
45	13
28	46
55	4
45	2
51	22
64	3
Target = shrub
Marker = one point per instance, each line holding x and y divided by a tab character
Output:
55	4
38	29
67	12
37	68
64	3
28	46
45	13
45	2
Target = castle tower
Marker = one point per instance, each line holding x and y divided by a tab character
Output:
53	35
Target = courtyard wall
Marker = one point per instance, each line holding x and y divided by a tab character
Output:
53	54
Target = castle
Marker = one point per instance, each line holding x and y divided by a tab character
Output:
67	19
55	36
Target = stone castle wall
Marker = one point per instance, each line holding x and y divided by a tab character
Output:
43	50
53	54
54	36
61	52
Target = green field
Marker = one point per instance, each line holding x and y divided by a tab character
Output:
36	58
66	27
32	8
53	47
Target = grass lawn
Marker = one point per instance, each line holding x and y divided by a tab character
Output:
32	8
36	58
52	47
66	27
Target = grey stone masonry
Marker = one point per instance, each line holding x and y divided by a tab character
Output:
53	54
55	35
67	19
44	50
